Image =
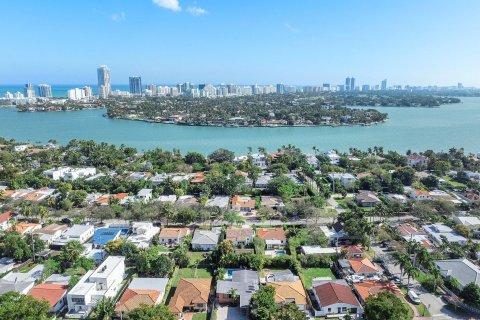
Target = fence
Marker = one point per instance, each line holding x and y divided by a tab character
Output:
456	301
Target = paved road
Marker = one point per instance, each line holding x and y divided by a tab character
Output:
437	308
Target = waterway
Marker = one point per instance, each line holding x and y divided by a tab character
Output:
416	129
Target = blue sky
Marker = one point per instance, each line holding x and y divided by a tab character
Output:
243	41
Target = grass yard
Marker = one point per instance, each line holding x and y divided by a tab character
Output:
79	271
27	267
196	256
308	274
453	183
199	316
184	273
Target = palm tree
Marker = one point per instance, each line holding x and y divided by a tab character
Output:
26	209
104	309
401	261
43	212
412	249
411	271
435	273
71	251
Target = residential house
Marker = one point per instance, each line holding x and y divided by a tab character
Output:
54	294
364	267
50	232
25	227
120	198
187	200
77	232
274	238
419	194
473	223
190	295
244	282
142	234
398	198
367	199
335	298
262	180
5	220
416	159
346	179
439	231
145	195
240	236
21	282
103	282
221	202
273	202
141	291
335	234
443	196
369	288
409	232
167	199
333	157
205	240
56	173
281	276
243	204
198	177
173	235
462	270
57	278
290	292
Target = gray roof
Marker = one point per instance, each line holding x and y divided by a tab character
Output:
282	276
149	284
205	237
245	282
7	286
461	269
58	279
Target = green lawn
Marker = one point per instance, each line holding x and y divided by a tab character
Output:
75	271
190	273
308	274
453	183
196	257
199	316
27	267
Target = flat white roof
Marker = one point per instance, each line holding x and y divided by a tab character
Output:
77	230
318	250
108	266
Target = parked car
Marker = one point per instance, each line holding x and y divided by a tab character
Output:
413	297
395	280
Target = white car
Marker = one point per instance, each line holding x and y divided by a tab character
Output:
413	297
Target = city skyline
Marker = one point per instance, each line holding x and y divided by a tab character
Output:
409	42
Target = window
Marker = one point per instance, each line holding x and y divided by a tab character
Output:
78	300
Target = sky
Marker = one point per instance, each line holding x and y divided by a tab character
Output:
302	42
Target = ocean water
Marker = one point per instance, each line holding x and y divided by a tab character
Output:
416	129
58	91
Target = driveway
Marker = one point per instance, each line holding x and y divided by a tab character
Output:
436	307
230	313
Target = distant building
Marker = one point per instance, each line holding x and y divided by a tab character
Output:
384	84
135	85
29	91
280	88
104	86
352	84
365	88
44	91
347	84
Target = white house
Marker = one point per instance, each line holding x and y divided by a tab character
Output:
103	282
77	232
346	179
5	220
416	159
79	173
145	195
50	232
142	234
205	240
21	282
469	222
218	201
333	156
56	173
317	250
439	231
20	148
335	298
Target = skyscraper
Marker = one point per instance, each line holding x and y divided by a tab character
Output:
104	87
352	84
135	85
29	91
347	84
384	84
280	88
44	91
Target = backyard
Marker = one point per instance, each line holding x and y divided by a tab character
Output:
308	274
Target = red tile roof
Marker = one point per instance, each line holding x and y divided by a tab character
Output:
5	216
132	299
373	287
271	234
362	265
50	292
330	293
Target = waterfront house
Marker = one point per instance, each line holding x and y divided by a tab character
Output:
103	282
191	294
416	160
173	235
244	282
54	294
141	291
240	236
334	298
205	240
346	179
275	238
290	292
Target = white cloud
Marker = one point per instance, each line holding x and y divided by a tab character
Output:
196	11
291	28
173	5
118	16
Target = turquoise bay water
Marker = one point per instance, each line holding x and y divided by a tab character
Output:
417	129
